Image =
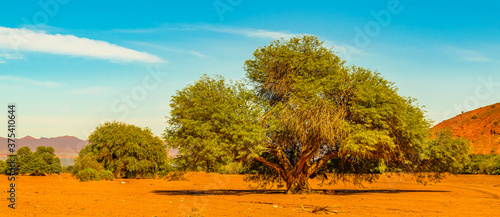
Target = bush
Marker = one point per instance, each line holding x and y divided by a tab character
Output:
106	175
232	168
3	167
495	123
481	164
474	117
88	174
68	169
87	168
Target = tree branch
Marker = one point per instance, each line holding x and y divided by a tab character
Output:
275	166
318	164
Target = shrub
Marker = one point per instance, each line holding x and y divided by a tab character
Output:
495	123
232	168
474	117
481	164
3	167
68	169
88	174
106	175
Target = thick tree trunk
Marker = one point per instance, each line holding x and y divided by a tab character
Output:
298	185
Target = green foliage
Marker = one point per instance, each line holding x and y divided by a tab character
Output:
126	151
481	164
312	116
8	169
474	117
68	169
445	153
106	174
322	113
88	174
3	167
232	168
42	161
495	123
87	168
86	159
213	123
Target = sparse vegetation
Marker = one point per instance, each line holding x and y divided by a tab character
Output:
474	117
481	164
42	161
3	167
495	123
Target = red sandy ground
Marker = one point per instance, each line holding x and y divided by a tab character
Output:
63	195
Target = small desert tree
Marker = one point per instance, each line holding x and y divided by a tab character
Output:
213	123
42	161
126	150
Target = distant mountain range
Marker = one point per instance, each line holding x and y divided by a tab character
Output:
481	127
64	146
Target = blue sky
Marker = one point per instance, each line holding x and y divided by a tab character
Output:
70	65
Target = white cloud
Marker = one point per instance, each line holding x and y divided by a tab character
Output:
344	50
95	91
252	33
248	32
467	55
29	81
2	61
28	40
172	49
10	56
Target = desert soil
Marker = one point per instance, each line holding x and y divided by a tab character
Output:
228	195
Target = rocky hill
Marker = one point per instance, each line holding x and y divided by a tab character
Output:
480	126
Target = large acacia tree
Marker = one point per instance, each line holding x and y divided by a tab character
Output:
325	116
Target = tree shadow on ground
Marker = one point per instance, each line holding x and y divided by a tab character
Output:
377	191
266	191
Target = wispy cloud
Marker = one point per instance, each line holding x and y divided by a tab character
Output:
171	49
248	32
10	56
28	81
343	49
95	91
28	40
252	33
467	55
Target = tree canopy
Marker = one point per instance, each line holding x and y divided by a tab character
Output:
212	123
125	150
319	118
42	161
